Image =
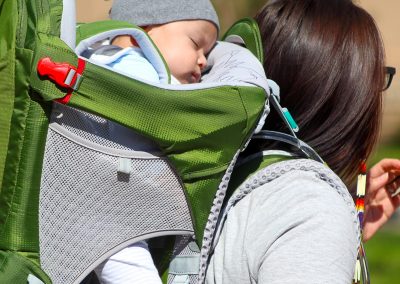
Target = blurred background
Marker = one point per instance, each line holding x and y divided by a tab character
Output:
383	250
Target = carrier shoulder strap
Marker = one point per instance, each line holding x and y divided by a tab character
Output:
251	165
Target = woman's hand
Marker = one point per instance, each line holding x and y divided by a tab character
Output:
382	197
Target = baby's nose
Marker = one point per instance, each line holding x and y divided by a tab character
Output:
202	61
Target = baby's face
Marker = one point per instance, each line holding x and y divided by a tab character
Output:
184	46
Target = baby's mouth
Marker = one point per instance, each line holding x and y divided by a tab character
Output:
196	77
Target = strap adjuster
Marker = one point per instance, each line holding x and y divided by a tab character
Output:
63	74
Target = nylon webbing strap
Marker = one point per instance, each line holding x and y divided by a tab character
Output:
32	279
181	279
185	265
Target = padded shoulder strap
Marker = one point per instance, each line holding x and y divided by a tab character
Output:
247	33
250	166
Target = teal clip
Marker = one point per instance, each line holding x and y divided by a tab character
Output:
290	119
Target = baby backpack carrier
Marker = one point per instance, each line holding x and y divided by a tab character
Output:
92	161
71	196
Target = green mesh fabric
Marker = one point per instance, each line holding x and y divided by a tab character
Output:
8	23
23	120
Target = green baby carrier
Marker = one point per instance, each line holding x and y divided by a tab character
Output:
71	196
92	161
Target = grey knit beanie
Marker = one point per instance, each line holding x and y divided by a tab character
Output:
153	12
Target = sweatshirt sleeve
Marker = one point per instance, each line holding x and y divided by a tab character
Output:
295	229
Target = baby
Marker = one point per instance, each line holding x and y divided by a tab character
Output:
183	32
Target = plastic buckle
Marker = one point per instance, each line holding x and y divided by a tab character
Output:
63	74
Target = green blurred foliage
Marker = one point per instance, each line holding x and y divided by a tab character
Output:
387	150
383	254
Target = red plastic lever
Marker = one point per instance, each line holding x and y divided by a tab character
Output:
63	74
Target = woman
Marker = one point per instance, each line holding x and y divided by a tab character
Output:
298	224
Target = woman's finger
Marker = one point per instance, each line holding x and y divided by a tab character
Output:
384	166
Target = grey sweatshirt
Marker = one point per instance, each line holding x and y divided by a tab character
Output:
296	228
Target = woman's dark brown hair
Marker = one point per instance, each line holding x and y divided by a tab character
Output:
328	59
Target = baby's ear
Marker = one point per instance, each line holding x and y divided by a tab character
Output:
148	28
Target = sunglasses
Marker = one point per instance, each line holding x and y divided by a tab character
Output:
389	73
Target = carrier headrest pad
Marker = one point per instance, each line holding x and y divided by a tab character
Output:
148	48
232	63
246	32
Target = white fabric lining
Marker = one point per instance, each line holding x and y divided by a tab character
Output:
68	23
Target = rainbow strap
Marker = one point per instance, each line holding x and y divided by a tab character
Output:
361	186
361	270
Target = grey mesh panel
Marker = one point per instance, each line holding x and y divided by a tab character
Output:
88	209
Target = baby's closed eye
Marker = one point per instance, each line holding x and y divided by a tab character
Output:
194	41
